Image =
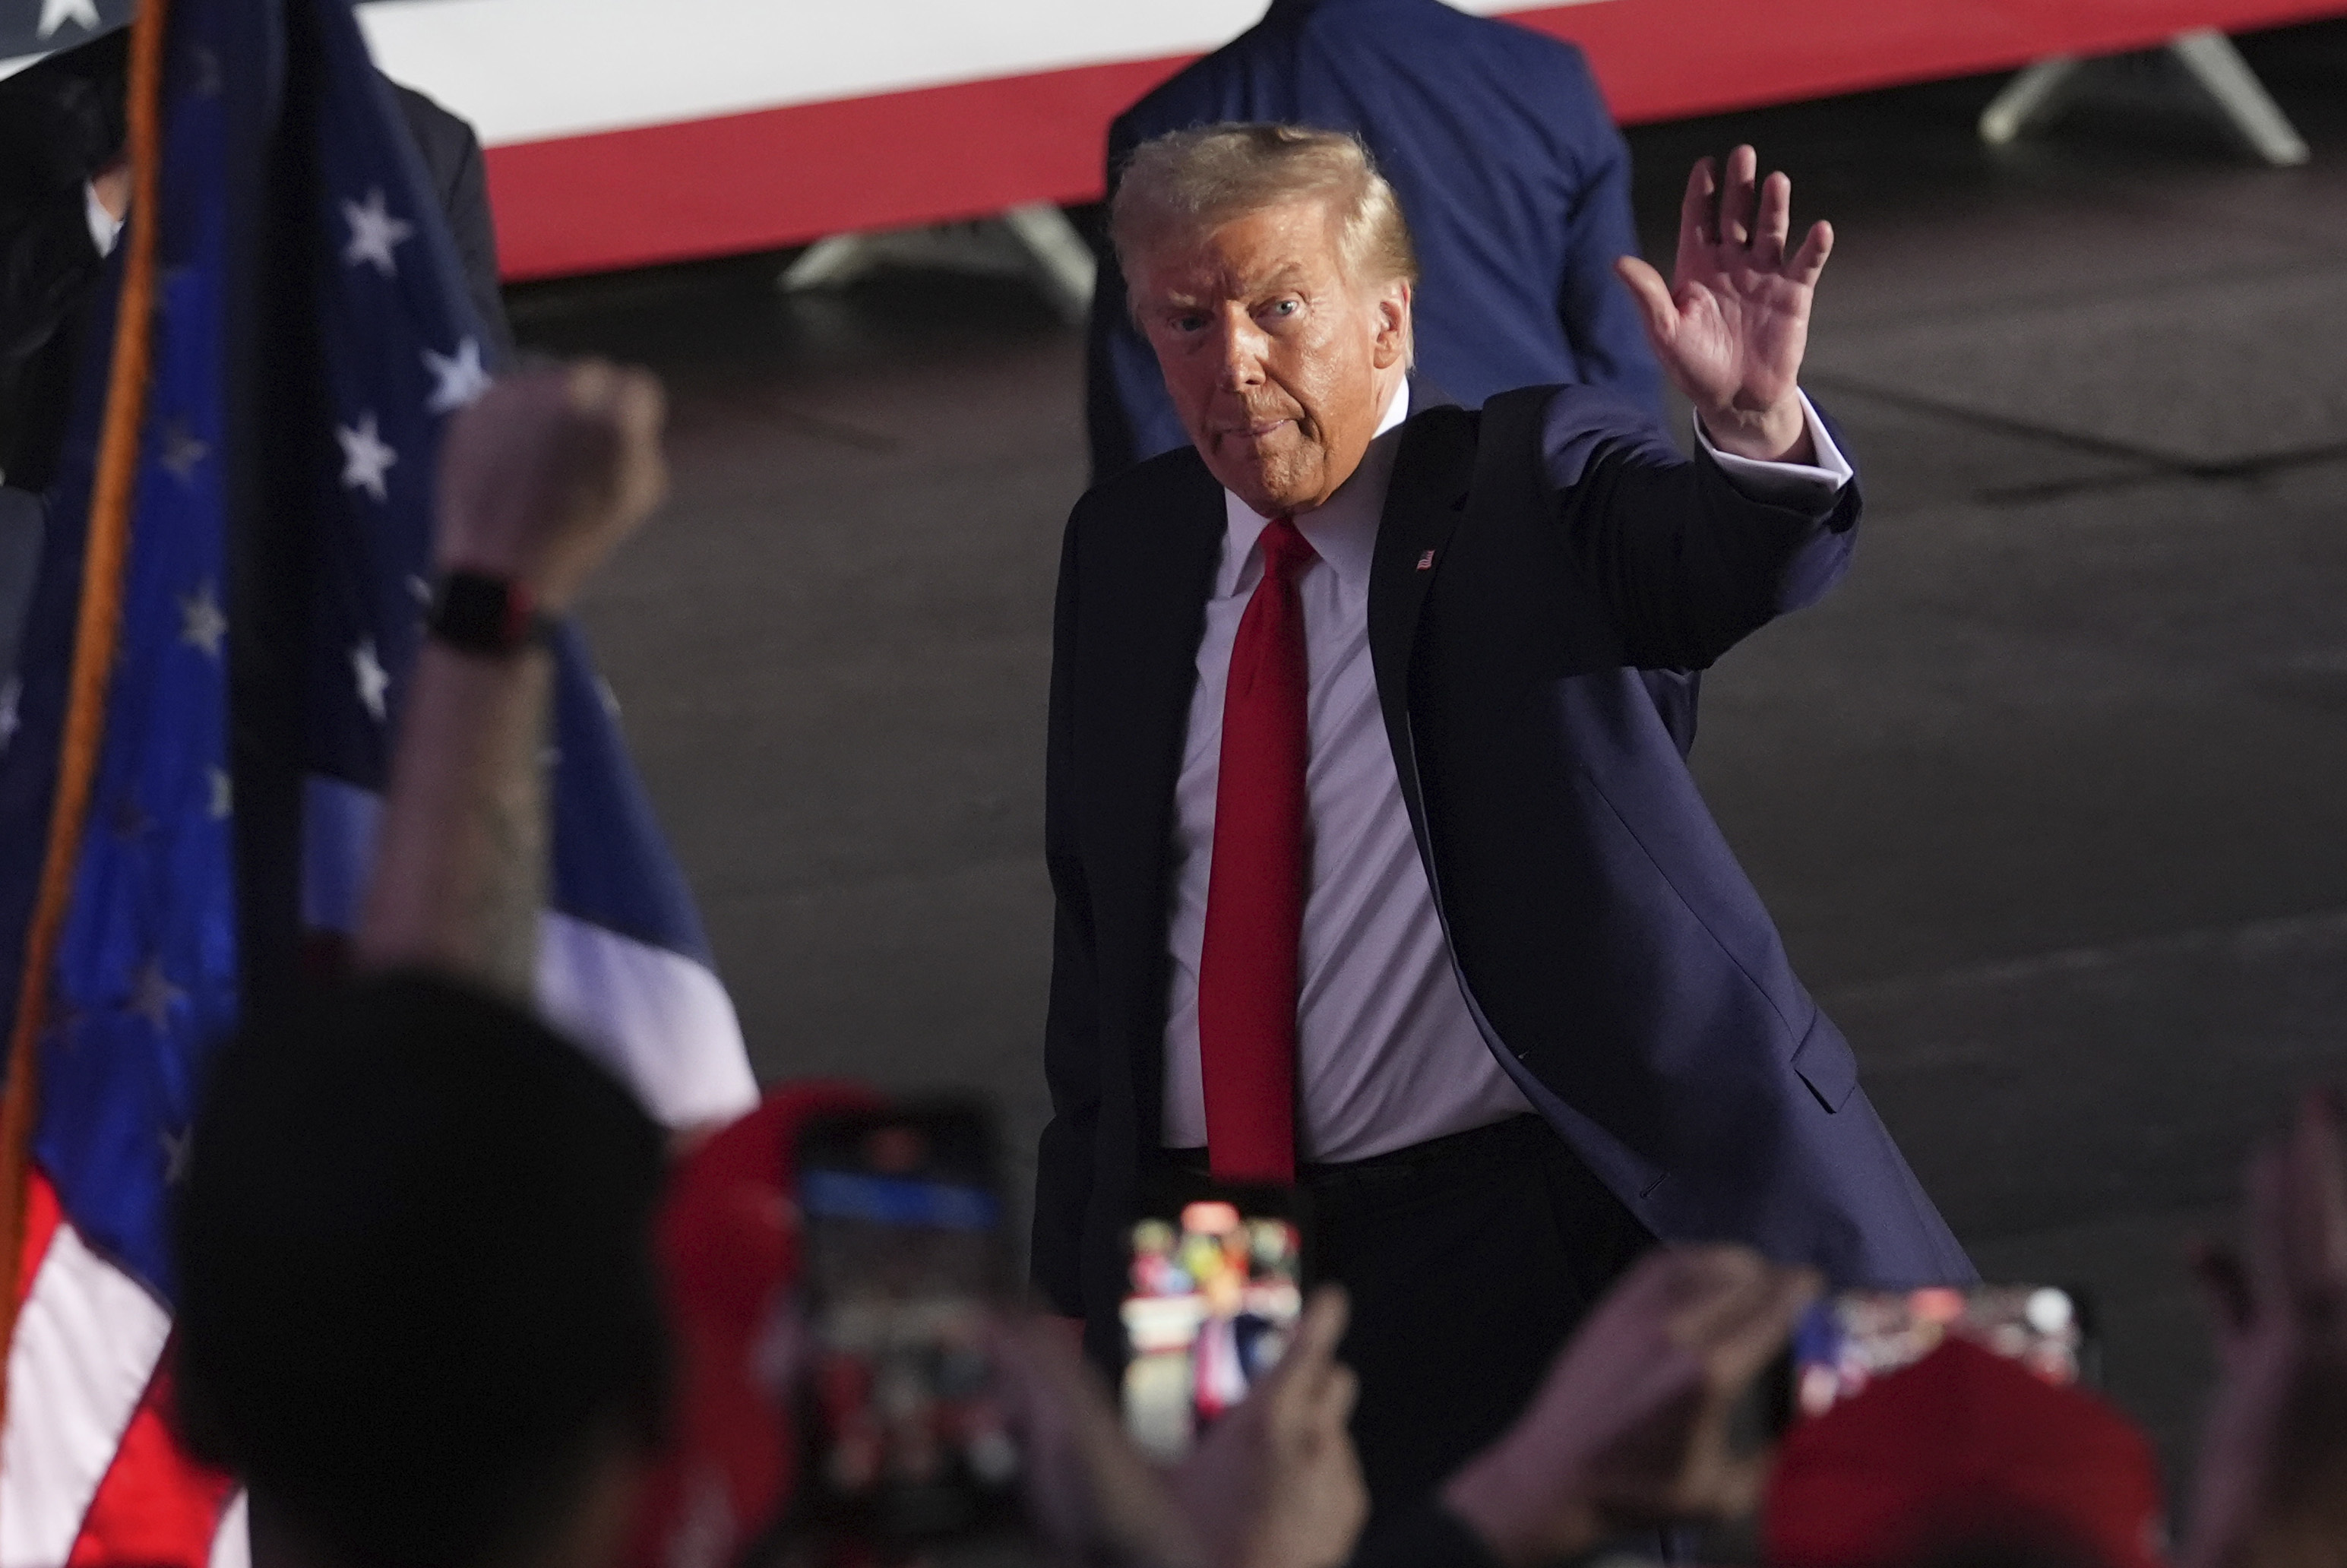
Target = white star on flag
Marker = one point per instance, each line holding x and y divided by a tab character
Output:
460	374
223	799
365	458
56	14
374	233
182	451
152	995
373	682
201	624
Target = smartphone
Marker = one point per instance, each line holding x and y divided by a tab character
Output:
905	1443
1846	1341
1216	1283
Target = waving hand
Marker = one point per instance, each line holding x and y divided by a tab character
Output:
1730	326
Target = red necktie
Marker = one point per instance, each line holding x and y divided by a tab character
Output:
1254	892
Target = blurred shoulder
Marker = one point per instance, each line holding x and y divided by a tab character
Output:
441	134
1195	94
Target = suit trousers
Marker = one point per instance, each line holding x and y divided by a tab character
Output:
1469	1259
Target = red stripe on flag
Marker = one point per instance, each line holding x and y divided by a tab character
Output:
741	182
1673	60
758	181
157	1508
41	1218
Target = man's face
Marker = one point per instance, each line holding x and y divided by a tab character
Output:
1279	365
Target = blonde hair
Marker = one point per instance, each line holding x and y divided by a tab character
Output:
1185	184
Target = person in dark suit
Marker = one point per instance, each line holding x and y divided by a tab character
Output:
1515	181
1376	867
64	192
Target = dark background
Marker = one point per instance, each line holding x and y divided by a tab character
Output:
2047	797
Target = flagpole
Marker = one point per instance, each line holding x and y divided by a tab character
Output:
95	636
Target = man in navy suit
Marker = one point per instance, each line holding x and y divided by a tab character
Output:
1377	869
1515	181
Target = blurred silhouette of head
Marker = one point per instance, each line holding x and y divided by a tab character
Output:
1966	1460
1271	270
419	1312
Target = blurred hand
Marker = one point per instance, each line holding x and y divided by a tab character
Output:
111	186
1731	325
1092	1498
1276	1484
2271	1492
1631	1427
548	470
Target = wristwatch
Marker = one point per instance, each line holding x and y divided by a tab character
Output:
477	613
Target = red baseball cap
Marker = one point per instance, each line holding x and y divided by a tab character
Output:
1964	1448
728	1250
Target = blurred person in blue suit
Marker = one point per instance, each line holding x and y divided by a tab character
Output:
1516	183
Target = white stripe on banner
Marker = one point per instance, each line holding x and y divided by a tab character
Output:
86	1346
528	70
659	1022
233	1544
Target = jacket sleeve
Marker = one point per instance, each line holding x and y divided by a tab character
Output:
1687	564
1072	1044
1127	413
60	121
1600	318
48	262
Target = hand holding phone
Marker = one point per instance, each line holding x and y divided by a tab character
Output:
908	1443
1636	1422
1277	1480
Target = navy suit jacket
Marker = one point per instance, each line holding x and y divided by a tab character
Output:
1515	182
1616	958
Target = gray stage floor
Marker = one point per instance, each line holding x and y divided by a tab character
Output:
2048	797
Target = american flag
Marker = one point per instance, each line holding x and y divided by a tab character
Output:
29	27
151	967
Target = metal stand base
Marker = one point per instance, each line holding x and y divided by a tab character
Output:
1035	242
2041	91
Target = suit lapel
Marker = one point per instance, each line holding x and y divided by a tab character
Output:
1424	501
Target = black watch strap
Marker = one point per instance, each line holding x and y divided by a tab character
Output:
477	613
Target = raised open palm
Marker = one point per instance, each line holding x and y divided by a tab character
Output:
1730	326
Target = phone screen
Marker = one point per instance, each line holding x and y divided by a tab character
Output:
907	1437
1846	1341
1215	1285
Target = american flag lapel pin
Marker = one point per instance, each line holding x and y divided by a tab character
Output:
1426	562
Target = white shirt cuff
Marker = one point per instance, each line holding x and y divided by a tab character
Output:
1812	485
105	228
